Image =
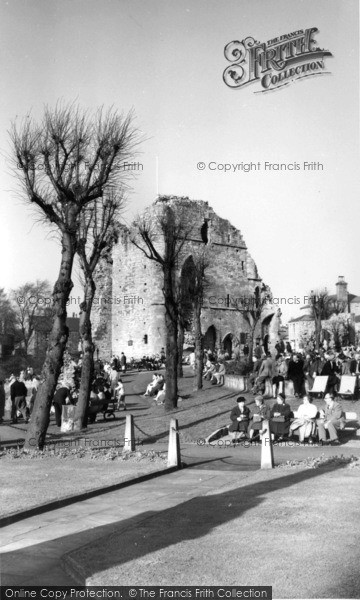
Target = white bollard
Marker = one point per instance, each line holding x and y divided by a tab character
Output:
129	441
267	455
174	458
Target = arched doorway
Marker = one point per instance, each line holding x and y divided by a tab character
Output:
227	344
210	338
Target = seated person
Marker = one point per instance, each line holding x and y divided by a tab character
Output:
160	396
240	417
209	370
305	421
331	420
280	418
219	376
155	386
261	412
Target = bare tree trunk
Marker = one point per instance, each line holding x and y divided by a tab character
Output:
199	353
40	416
171	321
87	366
180	344
317	333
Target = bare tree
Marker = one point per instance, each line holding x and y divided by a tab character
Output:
252	309
98	232
64	163
201	283
30	301
162	240
340	327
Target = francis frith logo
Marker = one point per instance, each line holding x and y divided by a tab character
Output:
275	63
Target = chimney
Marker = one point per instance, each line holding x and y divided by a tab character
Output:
341	289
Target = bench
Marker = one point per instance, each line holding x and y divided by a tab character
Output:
351	424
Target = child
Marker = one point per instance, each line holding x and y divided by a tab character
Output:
120	395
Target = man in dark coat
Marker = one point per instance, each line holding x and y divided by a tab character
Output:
296	374
123	362
331	369
18	393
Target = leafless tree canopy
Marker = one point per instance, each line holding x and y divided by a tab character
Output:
99	229
71	157
162	238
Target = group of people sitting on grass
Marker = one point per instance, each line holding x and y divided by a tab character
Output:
309	423
156	388
214	372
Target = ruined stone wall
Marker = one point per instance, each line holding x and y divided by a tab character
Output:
137	282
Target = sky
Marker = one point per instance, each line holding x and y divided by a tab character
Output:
165	60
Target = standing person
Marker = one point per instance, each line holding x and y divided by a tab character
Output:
296	374
2	401
162	356
246	350
266	371
114	380
332	420
61	397
280	418
331	369
288	348
279	374
240	417
123	362
18	393
257	351
278	349
120	394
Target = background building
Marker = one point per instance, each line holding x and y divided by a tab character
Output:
342	301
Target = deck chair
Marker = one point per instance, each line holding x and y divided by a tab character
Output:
347	387
319	387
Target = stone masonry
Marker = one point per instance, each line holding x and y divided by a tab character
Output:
129	313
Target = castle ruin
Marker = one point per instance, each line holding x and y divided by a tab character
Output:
128	314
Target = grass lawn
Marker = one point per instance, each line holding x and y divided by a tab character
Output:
295	530
26	482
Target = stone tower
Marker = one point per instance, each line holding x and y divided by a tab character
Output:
129	313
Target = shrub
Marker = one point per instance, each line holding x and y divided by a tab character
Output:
237	367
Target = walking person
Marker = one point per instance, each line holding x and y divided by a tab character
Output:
18	393
61	397
120	395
